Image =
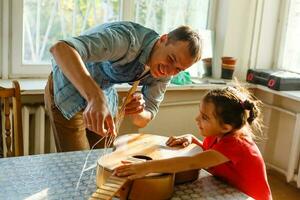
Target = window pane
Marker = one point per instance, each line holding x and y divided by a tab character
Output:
45	22
165	15
291	53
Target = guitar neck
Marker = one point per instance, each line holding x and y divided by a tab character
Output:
109	189
121	112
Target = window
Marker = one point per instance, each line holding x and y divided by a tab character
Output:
290	51
165	15
38	24
44	22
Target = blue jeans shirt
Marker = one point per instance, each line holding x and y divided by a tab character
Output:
113	53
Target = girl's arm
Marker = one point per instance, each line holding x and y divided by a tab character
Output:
197	141
204	159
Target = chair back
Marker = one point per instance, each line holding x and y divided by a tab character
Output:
11	98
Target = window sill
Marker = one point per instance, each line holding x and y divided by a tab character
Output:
27	86
36	87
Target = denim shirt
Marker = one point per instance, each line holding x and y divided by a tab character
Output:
113	53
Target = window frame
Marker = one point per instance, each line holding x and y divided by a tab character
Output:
5	37
282	35
19	69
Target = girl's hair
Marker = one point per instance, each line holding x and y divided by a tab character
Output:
237	107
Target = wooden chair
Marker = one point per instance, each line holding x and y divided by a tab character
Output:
13	133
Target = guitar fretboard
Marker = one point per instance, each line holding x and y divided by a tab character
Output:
109	189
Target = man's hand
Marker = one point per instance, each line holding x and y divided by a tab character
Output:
136	105
97	116
184	140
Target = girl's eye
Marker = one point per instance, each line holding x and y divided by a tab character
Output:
204	117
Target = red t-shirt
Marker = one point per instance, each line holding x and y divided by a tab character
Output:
245	170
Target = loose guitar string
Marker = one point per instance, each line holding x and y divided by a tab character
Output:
107	143
119	119
85	162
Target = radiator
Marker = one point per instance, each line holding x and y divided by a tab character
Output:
292	172
37	132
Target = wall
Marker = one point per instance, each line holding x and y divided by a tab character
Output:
176	115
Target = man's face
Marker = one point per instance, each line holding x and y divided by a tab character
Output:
169	59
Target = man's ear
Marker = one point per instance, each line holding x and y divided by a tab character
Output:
163	38
226	128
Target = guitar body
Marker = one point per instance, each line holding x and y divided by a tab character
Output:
142	147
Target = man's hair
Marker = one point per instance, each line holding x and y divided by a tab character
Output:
186	34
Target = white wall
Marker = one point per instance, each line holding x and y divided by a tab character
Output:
234	25
176	114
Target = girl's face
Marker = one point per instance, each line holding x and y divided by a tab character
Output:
208	123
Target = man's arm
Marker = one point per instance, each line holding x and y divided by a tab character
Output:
141	119
71	64
96	113
150	99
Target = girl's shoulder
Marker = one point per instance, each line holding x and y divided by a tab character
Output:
208	142
240	142
240	137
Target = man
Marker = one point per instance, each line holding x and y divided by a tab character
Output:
80	93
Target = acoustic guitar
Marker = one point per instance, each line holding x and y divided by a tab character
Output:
140	148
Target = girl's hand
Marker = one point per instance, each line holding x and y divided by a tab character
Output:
131	171
183	140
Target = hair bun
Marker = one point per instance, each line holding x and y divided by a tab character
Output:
248	105
252	112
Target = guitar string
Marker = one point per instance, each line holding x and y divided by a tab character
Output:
85	162
108	139
107	143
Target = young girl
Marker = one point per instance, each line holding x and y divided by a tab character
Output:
225	120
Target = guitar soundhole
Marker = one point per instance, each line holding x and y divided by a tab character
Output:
142	157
